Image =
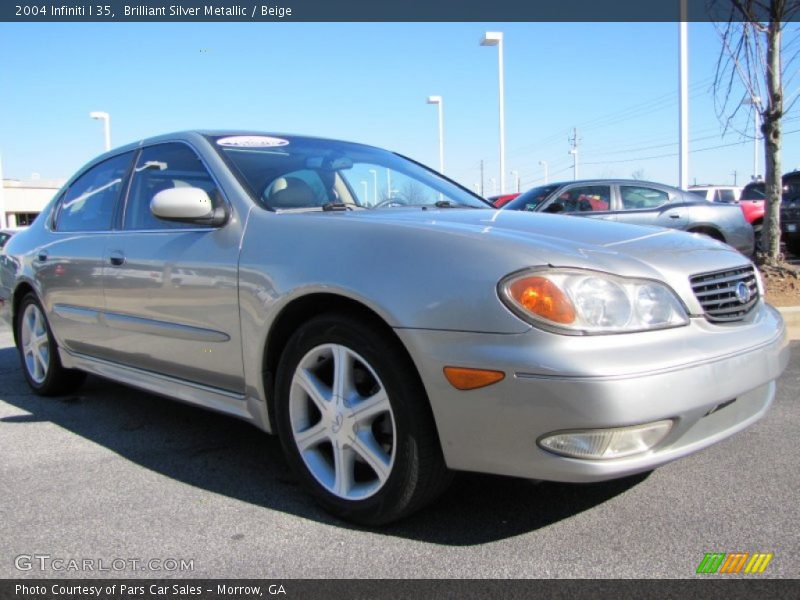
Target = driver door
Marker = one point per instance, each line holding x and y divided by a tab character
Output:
171	287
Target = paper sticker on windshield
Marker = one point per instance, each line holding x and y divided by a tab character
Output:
252	141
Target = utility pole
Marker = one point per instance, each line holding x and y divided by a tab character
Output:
734	176
482	195
574	151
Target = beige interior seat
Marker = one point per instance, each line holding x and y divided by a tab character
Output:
291	192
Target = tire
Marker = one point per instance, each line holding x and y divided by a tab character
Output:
757	238
353	401
38	353
793	244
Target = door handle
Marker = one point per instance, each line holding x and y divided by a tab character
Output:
116	258
674	216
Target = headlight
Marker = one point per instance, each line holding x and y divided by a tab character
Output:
588	302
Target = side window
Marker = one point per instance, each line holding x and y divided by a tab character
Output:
639	198
587	198
90	202
160	168
727	196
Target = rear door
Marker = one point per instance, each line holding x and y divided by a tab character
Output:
68	265
650	205
171	287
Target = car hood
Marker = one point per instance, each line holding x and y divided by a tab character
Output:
564	240
450	261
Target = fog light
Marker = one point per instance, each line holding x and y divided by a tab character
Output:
603	444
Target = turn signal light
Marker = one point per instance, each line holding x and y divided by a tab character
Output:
544	298
463	378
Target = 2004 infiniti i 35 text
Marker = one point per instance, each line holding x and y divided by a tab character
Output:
386	323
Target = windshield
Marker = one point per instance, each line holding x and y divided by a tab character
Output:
288	173
532	198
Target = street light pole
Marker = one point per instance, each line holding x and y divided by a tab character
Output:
495	38
683	89
106	119
366	191
2	198
374	185
438	100
515	174
544	164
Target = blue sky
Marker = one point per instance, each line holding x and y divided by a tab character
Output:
617	82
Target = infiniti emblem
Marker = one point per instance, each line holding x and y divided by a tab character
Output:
742	293
337	423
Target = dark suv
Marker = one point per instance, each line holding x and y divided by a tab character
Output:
790	212
790	207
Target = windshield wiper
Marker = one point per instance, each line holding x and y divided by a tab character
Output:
448	204
328	206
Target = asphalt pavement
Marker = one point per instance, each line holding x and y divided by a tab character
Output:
116	474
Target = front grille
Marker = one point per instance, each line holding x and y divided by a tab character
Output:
721	295
790	211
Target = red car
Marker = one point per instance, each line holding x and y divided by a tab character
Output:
752	205
498	201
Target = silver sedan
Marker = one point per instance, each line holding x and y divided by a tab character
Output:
384	322
641	203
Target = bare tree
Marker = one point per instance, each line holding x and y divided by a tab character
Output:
750	61
638	174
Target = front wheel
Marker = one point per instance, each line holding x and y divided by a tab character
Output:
355	423
39	354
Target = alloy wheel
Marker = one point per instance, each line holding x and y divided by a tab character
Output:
35	343
342	422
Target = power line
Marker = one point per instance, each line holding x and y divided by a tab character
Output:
672	154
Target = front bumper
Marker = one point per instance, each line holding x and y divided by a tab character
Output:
555	382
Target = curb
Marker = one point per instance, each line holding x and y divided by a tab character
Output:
791	316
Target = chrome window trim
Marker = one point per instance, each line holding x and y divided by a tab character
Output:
52	219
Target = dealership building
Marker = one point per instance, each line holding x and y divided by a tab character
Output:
22	201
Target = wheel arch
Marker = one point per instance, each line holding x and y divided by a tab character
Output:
709	230
301	310
22	290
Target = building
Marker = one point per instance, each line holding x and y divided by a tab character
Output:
22	201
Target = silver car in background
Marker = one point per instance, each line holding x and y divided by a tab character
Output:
641	203
385	322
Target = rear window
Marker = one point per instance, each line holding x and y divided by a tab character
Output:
753	191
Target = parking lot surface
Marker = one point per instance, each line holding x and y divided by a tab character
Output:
112	473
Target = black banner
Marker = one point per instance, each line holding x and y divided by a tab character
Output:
395	589
367	10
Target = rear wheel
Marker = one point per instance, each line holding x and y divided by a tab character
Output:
355	423
39	354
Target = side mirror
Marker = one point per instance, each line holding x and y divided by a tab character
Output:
188	204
